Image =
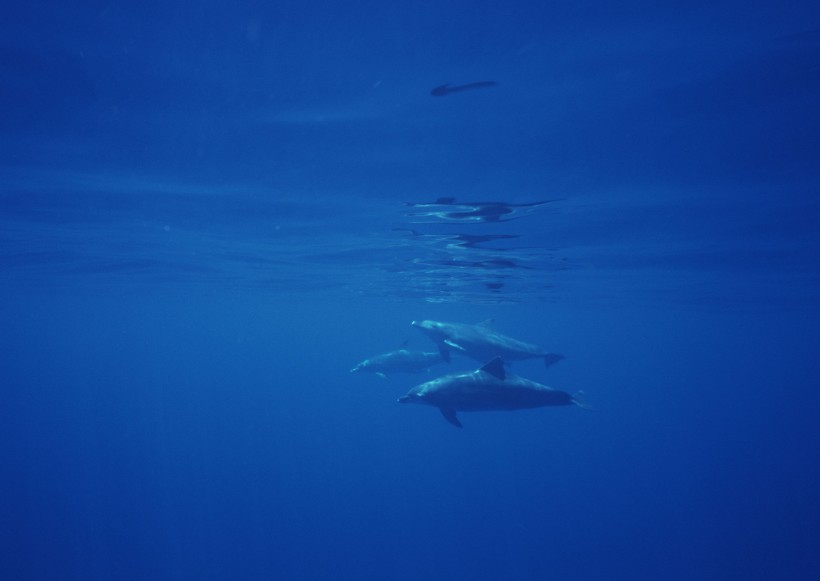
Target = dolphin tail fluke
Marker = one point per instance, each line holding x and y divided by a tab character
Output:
579	398
450	415
552	359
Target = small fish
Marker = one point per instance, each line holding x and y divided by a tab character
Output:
447	89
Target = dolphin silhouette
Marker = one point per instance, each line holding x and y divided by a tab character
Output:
481	342
447	88
488	388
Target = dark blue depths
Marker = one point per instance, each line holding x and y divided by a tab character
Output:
188	436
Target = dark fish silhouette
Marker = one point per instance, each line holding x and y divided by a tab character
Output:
447	89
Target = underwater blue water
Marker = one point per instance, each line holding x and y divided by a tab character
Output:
210	212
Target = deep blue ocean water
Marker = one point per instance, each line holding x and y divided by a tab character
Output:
210	212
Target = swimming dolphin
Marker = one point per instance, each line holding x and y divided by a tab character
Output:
488	388
446	89
401	361
481	342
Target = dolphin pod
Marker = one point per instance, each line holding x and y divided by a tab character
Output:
481	342
488	388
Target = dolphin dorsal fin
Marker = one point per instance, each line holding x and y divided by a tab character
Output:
487	323
495	368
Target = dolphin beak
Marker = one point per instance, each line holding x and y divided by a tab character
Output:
405	399
414	324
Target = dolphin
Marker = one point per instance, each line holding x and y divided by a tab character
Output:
401	361
487	388
447	88
481	342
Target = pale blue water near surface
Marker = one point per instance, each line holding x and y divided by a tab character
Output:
210	212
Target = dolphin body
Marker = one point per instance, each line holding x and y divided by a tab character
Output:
401	361
481	342
446	89
487	388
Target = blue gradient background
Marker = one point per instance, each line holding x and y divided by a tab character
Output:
203	228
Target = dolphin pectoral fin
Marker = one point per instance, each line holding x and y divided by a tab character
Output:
495	368
450	415
579	398
445	353
487	324
552	359
382	375
454	345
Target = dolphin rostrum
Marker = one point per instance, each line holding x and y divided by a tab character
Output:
488	388
481	342
401	361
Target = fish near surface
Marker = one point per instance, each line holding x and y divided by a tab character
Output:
481	342
489	388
